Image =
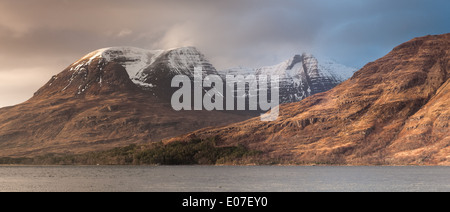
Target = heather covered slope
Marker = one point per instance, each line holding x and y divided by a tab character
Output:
394	110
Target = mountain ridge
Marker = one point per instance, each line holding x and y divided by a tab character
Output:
109	98
301	76
394	110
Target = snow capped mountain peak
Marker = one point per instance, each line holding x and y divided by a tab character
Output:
301	75
152	70
340	71
183	48
132	59
149	70
139	62
184	59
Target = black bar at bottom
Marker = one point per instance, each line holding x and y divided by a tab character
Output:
215	201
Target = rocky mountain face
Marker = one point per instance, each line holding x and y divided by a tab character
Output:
110	97
300	76
395	110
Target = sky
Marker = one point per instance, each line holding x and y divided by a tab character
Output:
38	39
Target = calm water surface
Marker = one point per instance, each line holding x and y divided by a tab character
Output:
223	178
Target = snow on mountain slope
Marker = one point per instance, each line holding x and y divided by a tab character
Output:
184	59
337	70
138	62
169	63
152	70
300	76
131	58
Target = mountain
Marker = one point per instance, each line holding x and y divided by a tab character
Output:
150	70
395	110
117	96
300	76
157	75
110	97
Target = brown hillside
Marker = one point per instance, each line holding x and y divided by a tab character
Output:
94	106
394	110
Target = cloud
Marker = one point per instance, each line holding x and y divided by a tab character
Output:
124	33
18	85
185	34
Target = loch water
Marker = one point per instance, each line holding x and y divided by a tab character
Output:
224	178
